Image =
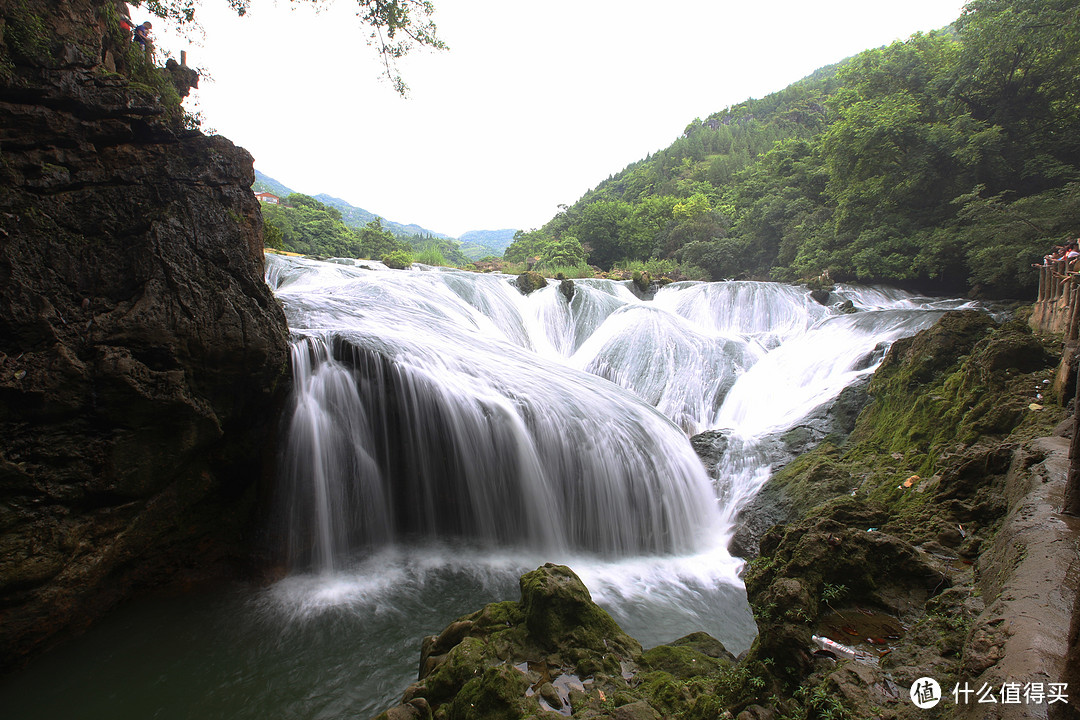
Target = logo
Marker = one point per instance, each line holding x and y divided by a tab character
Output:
925	693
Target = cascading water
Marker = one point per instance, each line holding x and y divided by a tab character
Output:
553	426
447	434
472	433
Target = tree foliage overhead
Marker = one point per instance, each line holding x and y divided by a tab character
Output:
395	27
950	161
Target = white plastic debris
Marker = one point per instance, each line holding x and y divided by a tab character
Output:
844	652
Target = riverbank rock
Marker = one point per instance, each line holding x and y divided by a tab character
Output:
141	354
915	527
831	423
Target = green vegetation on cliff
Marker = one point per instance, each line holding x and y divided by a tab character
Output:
948	161
894	518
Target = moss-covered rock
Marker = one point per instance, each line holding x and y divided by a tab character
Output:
642	280
493	662
680	660
529	281
497	694
560	615
705	644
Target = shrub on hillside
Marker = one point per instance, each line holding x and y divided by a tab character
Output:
398	260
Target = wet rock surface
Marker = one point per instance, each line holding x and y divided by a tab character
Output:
832	422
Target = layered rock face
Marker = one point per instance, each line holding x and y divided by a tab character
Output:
141	354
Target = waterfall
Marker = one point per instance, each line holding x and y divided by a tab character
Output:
424	409
445	435
442	405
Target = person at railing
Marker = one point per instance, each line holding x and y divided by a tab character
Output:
1071	254
1051	257
1068	252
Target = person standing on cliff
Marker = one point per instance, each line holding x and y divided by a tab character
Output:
142	35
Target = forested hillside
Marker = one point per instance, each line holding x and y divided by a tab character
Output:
946	162
307	226
351	215
329	226
359	217
479	243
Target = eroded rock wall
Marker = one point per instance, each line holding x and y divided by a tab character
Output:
141	354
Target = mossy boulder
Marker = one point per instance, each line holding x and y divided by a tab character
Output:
498	693
838	545
561	616
642	280
680	661
949	385
483	665
705	644
529	281
920	358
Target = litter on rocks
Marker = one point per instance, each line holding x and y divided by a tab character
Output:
844	652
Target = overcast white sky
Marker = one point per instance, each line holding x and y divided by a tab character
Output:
534	103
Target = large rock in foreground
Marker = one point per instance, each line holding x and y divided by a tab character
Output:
554	652
496	662
139	346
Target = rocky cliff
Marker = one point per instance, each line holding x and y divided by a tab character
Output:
140	350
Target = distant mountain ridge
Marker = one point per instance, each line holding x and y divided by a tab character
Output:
481	243
475	244
350	214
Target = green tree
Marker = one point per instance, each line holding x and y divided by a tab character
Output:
272	236
307	226
397	260
526	245
375	241
610	231
565	252
1018	71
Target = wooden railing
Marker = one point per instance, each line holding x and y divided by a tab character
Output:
1058	306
